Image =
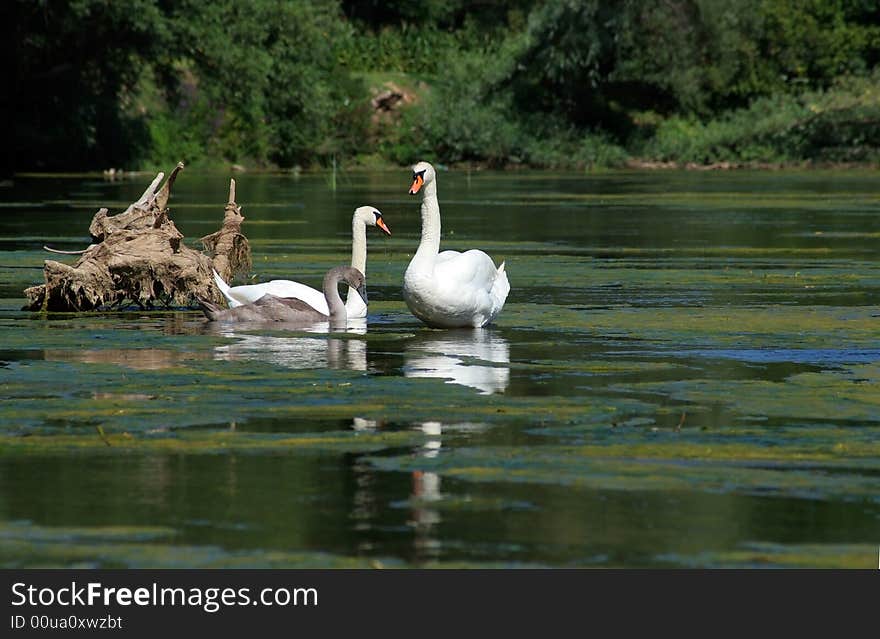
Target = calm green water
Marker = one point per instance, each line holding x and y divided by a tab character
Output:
685	374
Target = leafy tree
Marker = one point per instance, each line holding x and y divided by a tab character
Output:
94	83
264	77
315	108
72	65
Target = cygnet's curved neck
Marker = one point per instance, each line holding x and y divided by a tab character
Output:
430	244
331	293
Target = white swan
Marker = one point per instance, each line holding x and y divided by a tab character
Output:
449	289
355	307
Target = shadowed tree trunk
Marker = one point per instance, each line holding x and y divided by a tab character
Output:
139	257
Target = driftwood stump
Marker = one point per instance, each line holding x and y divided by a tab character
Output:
139	257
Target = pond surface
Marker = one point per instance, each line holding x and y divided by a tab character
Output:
685	374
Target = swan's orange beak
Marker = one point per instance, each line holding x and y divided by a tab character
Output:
418	180
381	224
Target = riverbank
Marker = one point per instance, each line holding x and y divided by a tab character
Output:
632	165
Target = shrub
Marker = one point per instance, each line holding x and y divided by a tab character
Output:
840	124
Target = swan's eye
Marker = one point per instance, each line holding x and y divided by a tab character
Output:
377	214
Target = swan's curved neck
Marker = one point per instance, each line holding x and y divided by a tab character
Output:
331	294
358	252
430	244
359	245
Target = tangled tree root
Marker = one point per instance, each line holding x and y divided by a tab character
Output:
139	257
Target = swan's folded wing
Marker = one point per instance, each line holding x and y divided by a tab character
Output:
292	303
284	289
470	270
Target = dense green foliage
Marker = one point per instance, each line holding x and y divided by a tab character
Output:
71	68
841	124
537	82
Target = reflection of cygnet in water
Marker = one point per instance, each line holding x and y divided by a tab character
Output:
295	352
456	356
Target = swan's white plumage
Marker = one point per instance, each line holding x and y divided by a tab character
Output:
354	305
450	289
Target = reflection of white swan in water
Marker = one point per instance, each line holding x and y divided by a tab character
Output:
466	357
425	489
425	485
297	352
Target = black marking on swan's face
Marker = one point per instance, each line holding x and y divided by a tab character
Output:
381	223
418	181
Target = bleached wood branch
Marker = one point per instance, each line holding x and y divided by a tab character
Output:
51	250
148	195
165	192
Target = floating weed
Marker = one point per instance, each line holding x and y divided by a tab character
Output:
846	395
598	367
779	326
765	555
465	503
808	461
600	469
71	534
24	545
206	442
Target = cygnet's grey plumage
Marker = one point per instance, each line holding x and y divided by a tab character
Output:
270	308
